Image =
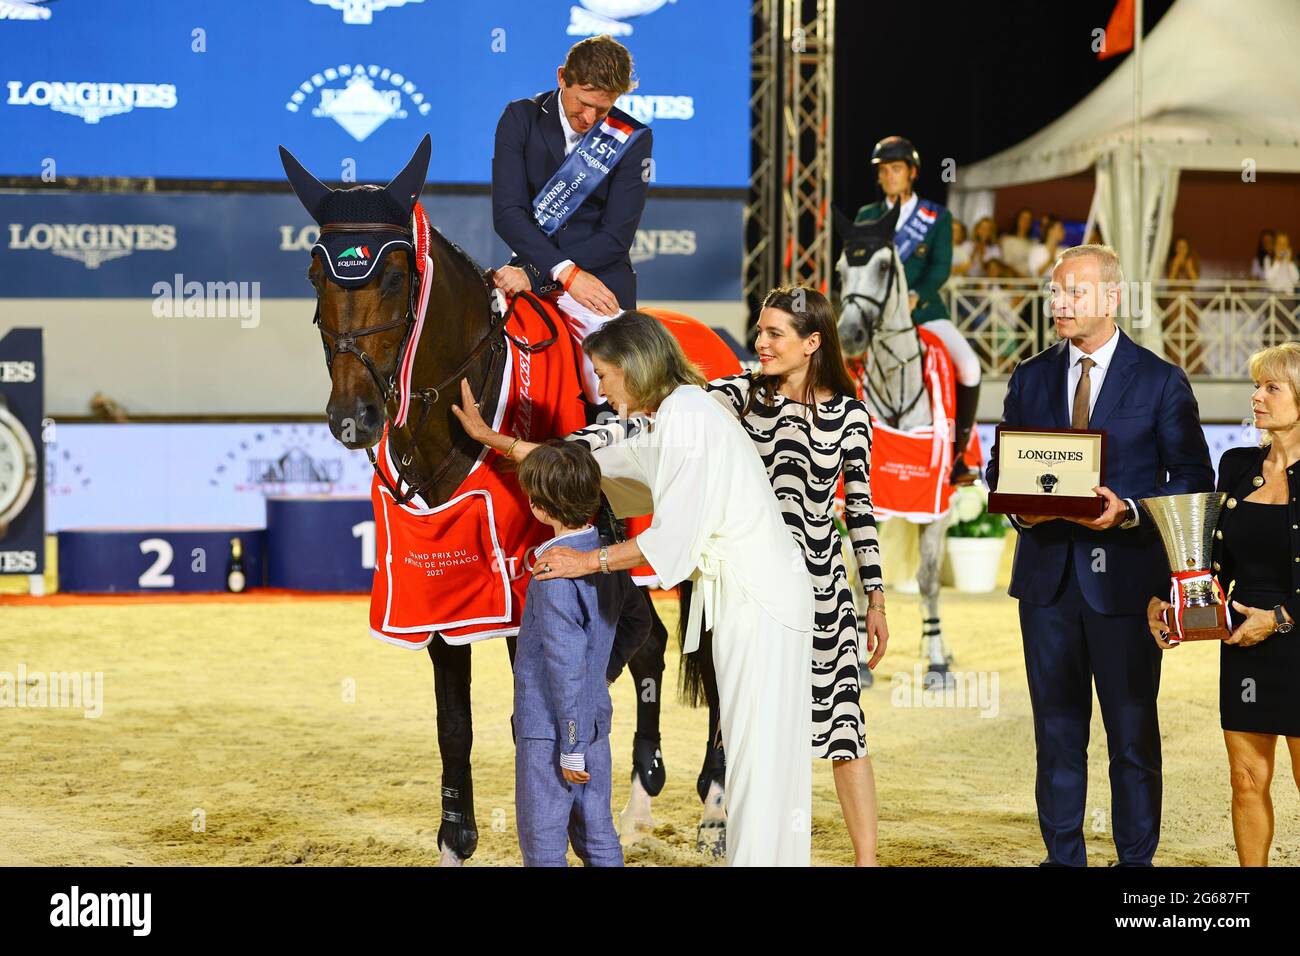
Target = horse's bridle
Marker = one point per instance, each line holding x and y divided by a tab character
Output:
345	343
893	415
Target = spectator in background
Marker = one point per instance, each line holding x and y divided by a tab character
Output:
1263	254
984	246
1016	246
1183	262
961	248
1281	273
1043	255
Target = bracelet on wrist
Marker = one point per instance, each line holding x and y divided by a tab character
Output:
572	275
506	453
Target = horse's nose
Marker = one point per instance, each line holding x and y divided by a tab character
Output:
355	423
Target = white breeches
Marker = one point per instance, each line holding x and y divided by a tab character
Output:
582	322
964	359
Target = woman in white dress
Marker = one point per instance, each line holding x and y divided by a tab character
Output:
717	523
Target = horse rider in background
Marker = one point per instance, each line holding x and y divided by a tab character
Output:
923	239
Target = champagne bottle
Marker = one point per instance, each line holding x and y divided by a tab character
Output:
235	582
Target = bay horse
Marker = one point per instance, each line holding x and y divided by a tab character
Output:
368	317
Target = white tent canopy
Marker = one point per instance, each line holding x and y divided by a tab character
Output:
1220	91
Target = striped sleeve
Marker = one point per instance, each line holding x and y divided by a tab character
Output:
858	514
605	433
731	391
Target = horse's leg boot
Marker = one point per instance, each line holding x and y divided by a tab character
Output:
648	763
458	832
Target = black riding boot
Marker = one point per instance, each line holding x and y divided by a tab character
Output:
968	398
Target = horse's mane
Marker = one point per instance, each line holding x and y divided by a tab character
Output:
458	254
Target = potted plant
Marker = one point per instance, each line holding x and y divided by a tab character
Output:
975	540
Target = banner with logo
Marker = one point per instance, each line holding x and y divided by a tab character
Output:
207	91
22	491
136	245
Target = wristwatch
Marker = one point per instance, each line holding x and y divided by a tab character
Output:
1130	517
1283	625
603	555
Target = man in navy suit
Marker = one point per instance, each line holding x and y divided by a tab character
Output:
570	242
1083	585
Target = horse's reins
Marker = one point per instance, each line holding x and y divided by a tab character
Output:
894	414
345	343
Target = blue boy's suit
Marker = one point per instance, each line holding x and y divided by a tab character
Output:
597	235
1083	594
567	644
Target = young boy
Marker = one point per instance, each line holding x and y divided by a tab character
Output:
575	636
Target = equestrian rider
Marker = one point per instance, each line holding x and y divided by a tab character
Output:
923	239
570	173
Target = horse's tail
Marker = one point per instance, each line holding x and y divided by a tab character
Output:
694	672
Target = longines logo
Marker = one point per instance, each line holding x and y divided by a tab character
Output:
15	372
646	109
369	97
92	101
92	243
24	10
362	12
606	16
662	242
298	238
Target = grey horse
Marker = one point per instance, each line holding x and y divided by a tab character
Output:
876	327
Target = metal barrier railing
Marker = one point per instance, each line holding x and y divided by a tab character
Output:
1209	327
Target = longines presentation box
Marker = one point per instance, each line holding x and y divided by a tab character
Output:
1049	471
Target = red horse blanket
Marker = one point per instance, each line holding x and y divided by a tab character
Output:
460	568
910	469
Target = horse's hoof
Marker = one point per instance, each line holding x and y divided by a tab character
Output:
449	858
865	677
635	821
711	838
648	764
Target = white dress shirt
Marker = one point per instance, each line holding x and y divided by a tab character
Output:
1096	376
905	213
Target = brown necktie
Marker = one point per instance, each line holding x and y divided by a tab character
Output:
1082	394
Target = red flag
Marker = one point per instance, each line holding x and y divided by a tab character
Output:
1119	31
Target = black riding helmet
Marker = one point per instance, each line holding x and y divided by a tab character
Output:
893	148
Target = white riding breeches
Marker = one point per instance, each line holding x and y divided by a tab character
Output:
964	359
582	322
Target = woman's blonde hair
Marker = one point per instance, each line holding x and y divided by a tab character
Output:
1281	363
651	358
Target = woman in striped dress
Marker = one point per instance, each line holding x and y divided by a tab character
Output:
809	427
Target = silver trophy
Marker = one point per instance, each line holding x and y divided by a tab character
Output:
1186	524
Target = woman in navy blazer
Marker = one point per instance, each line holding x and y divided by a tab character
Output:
1257	559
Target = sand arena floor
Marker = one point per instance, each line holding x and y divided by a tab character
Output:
275	732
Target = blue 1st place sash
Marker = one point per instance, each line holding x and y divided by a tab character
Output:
913	232
583	170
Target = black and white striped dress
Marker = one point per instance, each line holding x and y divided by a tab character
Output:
804	459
